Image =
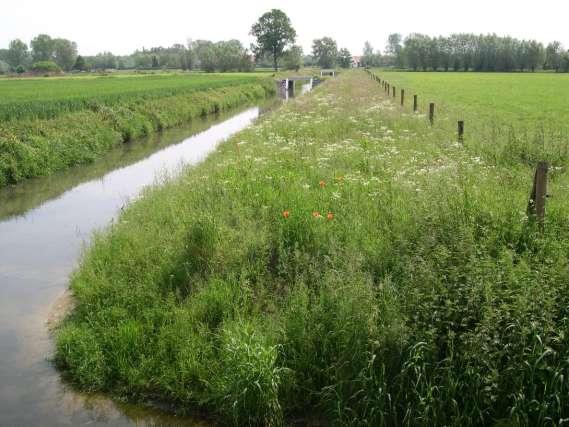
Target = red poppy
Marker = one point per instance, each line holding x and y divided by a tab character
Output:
286	214
316	214
330	216
322	184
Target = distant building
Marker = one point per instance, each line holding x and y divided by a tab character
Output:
357	61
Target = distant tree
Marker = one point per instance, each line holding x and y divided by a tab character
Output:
102	61
536	55
274	32
20	69
229	55
293	58
80	64
368	56
42	48
565	62
325	51
206	54
308	61
189	55
155	63
553	54
394	49
345	58
4	67
17	53
65	53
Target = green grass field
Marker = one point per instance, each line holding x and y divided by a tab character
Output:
519	99
341	262
49	97
511	118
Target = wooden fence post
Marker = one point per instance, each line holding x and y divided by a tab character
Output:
536	204
432	113
415	103
461	131
402	97
394	91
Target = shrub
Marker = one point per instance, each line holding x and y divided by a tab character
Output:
46	67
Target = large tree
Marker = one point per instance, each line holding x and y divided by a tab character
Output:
42	48
274	33
345	58
17	53
325	51
65	53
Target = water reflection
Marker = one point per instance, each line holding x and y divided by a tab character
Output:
44	225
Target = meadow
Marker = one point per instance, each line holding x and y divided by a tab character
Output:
340	262
511	117
51	124
48	97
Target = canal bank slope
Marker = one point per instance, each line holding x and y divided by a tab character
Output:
40	147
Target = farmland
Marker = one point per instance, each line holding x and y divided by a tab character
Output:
356	264
519	99
48	125
509	118
48	97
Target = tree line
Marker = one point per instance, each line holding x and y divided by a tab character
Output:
468	52
275	47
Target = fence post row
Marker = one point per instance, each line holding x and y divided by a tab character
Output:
402	97
536	204
415	103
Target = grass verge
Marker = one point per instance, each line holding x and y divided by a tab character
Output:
39	147
340	259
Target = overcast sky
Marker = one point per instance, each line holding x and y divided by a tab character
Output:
121	26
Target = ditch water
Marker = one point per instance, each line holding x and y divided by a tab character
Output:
44	226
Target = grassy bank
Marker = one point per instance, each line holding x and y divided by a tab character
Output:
342	261
32	147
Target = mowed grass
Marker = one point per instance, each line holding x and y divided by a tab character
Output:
509	117
518	99
49	97
340	262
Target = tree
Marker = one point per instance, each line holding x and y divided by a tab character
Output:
155	63
553	54
42	48
65	53
536	55
17	53
345	58
274	33
325	51
368	57
293	58
395	49
80	64
206	54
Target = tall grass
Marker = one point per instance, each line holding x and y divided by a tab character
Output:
48	98
39	147
339	262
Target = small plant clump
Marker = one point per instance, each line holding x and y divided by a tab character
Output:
341	262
